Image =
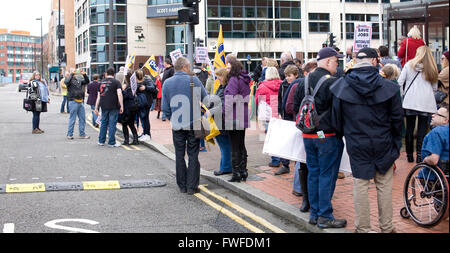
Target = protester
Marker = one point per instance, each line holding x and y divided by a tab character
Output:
92	91
269	63
235	109
285	60
148	90
158	96
183	135
409	46
298	63
65	102
222	139
419	81
76	84
360	95
443	76
168	72
130	109
390	72
435	147
257	73
324	149
110	100
210	85
268	92
39	87
120	76
385	59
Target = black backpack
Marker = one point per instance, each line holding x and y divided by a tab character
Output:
308	119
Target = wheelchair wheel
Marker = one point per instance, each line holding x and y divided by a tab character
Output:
426	195
404	213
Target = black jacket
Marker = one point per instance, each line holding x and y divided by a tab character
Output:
75	89
323	98
150	91
168	73
281	93
257	73
367	110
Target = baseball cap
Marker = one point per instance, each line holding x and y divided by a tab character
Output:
367	53
327	52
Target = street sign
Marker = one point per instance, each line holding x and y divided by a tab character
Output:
362	36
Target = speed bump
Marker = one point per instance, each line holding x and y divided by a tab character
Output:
79	186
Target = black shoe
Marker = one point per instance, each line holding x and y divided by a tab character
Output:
193	191
183	190
235	178
298	194
126	143
220	173
303	177
410	158
282	170
327	223
313	221
274	165
244	175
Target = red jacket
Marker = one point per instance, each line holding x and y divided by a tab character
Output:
269	89
158	85
413	45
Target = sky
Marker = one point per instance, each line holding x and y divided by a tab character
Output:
22	14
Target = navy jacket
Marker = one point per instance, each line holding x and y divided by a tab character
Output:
367	110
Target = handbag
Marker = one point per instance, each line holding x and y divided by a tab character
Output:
202	132
439	95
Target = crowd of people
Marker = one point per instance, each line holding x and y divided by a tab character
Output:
374	101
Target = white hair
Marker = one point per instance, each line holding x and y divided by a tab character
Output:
272	73
285	57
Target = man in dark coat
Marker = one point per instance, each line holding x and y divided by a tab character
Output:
367	110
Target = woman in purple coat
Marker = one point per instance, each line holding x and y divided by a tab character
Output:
235	109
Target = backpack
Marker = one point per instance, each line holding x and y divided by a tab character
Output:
308	119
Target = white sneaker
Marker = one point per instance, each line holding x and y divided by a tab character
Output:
115	145
84	137
144	138
100	144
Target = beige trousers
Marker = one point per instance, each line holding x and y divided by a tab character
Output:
384	197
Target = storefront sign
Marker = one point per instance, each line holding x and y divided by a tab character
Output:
163	10
362	36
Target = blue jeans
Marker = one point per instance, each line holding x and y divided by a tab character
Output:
297	186
76	109
36	119
277	160
145	120
94	117
64	102
225	152
109	122
323	159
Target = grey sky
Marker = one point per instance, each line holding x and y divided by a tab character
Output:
22	14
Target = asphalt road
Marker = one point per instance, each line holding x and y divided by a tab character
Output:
50	158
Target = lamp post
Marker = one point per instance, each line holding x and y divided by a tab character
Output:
42	49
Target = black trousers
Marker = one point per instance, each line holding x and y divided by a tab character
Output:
238	150
188	177
422	126
129	124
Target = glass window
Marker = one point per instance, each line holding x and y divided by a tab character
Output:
225	11
175	34
213	11
250	12
237	12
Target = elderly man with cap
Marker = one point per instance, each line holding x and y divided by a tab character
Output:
367	111
324	148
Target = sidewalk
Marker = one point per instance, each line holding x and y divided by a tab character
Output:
275	192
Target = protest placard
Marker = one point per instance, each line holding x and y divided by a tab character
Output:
362	36
175	55
201	55
133	83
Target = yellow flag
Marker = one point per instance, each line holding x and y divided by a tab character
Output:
131	59
219	58
151	66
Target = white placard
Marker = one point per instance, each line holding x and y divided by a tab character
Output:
362	36
201	55
175	55
133	83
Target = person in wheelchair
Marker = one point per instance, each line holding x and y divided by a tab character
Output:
435	147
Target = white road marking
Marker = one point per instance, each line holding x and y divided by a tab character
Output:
8	228
53	224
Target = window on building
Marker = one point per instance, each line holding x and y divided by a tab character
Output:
319	22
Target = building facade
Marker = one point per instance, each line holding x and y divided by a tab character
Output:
19	53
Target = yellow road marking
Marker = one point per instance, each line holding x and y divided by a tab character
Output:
247	213
229	214
101	185
38	187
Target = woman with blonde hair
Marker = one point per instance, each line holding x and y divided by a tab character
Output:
409	46
222	139
39	87
418	81
390	71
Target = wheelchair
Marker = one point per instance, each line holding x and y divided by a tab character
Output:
426	193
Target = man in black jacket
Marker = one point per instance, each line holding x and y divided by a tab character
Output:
367	110
76	86
323	148
168	73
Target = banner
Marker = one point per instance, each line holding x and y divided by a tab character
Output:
131	60
175	55
133	83
219	58
201	55
150	64
362	36
285	140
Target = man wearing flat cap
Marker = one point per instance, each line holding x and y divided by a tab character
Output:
323	147
367	111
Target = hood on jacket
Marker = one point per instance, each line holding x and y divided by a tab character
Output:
244	76
363	85
273	85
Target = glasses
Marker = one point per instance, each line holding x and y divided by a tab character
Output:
440	115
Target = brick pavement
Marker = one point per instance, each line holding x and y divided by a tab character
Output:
262	178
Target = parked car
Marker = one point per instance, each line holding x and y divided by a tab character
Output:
23	81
